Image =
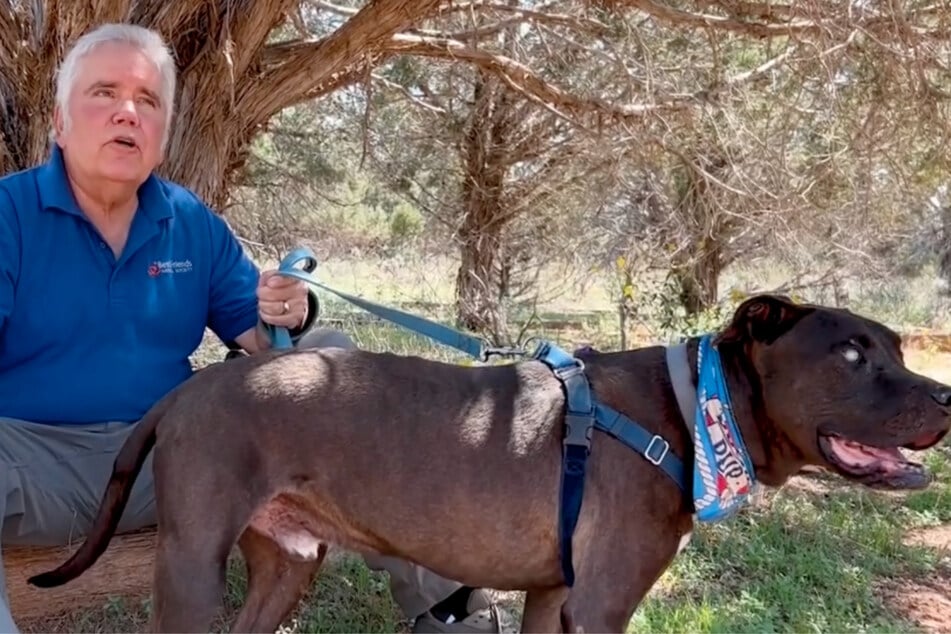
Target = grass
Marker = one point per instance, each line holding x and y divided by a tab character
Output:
815	556
809	559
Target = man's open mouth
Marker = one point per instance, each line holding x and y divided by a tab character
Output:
877	467
125	141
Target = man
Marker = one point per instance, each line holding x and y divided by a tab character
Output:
109	276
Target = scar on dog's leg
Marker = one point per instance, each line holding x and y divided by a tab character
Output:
276	582
542	611
189	585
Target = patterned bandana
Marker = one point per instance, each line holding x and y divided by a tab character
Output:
723	478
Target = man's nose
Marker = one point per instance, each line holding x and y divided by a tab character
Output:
126	112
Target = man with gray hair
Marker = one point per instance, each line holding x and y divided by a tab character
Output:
109	276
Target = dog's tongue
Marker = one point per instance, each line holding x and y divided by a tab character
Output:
861	455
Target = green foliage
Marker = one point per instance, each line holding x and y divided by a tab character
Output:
406	222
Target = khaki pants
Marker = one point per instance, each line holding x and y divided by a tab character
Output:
53	478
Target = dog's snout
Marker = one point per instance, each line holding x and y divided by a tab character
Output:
942	395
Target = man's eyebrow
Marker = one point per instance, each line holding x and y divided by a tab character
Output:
152	94
101	84
111	84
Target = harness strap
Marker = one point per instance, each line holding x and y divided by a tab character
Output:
678	365
583	415
655	449
579	423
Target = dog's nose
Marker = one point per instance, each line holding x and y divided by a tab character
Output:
942	395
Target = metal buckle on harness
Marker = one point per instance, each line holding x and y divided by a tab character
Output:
647	452
580	429
569	371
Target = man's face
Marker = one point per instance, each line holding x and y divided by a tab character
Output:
116	115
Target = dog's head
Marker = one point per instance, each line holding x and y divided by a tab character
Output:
835	387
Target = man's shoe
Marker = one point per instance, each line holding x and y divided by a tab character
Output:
483	617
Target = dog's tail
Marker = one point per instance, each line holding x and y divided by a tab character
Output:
125	469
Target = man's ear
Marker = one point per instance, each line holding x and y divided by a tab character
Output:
57	123
762	318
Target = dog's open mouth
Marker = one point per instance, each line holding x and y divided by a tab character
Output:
879	467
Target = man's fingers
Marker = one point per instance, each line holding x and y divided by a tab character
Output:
289	313
294	289
273	279
282	281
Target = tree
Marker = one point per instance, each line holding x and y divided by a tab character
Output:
828	117
234	76
240	64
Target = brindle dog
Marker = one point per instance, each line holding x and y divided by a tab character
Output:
287	453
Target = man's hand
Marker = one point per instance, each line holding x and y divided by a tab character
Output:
282	301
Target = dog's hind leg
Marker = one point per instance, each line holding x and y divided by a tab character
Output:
276	581
542	611
188	586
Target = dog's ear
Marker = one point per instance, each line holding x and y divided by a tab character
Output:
586	351
762	318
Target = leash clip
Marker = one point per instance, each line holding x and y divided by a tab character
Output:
502	351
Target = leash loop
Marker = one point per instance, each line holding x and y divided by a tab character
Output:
281	336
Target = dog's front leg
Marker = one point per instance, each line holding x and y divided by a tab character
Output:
542	611
611	580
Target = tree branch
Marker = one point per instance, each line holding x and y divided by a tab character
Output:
764	20
409	96
518	76
293	70
523	80
9	36
168	18
678	17
249	29
537	15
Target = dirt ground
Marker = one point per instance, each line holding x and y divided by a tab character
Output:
927	602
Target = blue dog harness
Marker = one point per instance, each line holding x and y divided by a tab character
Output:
583	414
722	478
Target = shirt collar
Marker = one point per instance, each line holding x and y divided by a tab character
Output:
55	191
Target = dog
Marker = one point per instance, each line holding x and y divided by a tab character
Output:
287	453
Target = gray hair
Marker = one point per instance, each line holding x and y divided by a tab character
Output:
146	40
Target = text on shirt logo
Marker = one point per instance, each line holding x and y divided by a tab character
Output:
169	266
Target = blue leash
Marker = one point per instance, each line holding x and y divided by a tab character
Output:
583	412
471	345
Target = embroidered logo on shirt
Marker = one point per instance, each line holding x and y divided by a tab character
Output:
169	266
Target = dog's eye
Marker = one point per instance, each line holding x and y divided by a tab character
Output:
851	354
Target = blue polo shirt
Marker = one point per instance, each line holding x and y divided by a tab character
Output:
86	337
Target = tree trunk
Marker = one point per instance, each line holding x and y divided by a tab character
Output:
484	150
698	265
698	278
944	252
477	305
